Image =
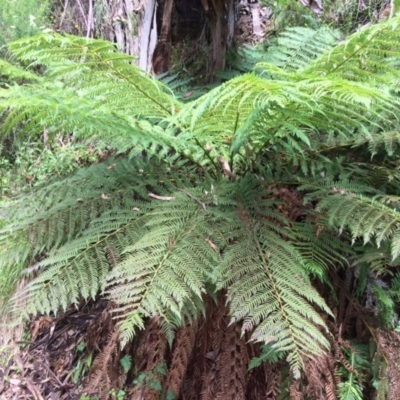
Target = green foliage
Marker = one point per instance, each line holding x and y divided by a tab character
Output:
268	354
90	89
31	163
351	387
297	46
126	363
83	364
271	287
152	381
287	13
380	379
195	196
21	18
351	15
12	73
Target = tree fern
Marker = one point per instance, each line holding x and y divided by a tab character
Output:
154	253
191	204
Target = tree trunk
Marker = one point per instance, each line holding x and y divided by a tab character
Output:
147	33
221	16
162	52
131	24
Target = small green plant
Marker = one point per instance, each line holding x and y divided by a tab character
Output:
351	386
126	363
83	364
81	346
120	395
152	380
85	396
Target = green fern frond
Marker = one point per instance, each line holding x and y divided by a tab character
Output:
32	108
351	388
79	268
268	287
164	271
268	354
365	217
382	220
376	260
12	73
297	46
70	211
301	106
286	113
320	249
90	89
96	70
366	56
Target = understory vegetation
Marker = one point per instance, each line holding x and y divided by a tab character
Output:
243	243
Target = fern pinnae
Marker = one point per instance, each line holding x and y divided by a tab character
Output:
81	252
15	73
269	298
80	261
298	46
163	272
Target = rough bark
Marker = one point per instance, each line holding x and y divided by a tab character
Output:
131	24
221	16
162	52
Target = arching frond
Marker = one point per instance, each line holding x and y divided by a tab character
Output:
89	89
298	46
95	70
11	73
164	272
366	56
301	105
64	219
365	217
268	286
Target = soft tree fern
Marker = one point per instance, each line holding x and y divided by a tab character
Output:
190	206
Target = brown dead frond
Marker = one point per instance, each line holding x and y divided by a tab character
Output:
217	321
296	391
233	361
103	325
39	325
388	348
291	201
105	370
149	352
183	349
322	377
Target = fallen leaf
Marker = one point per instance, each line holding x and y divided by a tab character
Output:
163	198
